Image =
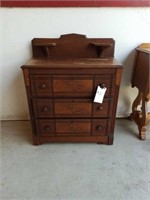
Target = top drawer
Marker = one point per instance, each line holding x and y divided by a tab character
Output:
70	85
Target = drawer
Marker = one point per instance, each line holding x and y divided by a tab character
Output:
71	85
75	127
64	108
42	108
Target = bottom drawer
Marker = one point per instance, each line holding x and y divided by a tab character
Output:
77	127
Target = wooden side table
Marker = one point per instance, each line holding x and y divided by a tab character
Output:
141	80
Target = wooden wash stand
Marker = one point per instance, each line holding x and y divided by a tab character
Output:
61	81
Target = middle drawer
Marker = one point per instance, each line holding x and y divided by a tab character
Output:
48	108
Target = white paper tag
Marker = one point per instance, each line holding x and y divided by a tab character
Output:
99	96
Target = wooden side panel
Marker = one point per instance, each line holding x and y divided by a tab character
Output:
142	69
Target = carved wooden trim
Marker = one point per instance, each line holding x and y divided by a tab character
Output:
26	77
118	77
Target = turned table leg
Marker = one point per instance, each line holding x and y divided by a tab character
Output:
135	105
140	116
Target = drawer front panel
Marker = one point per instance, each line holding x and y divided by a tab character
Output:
64	108
74	127
72	85
41	85
42	107
74	107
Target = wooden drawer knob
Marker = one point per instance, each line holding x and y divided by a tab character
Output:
100	108
47	128
72	77
43	86
102	85
99	128
45	109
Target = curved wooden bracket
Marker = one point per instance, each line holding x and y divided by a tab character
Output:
100	47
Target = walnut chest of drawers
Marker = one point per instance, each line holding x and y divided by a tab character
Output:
61	81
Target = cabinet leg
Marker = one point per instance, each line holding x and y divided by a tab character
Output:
110	140
36	142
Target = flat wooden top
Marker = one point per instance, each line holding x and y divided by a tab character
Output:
73	63
145	47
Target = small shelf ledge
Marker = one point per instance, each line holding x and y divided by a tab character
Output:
46	47
100	47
